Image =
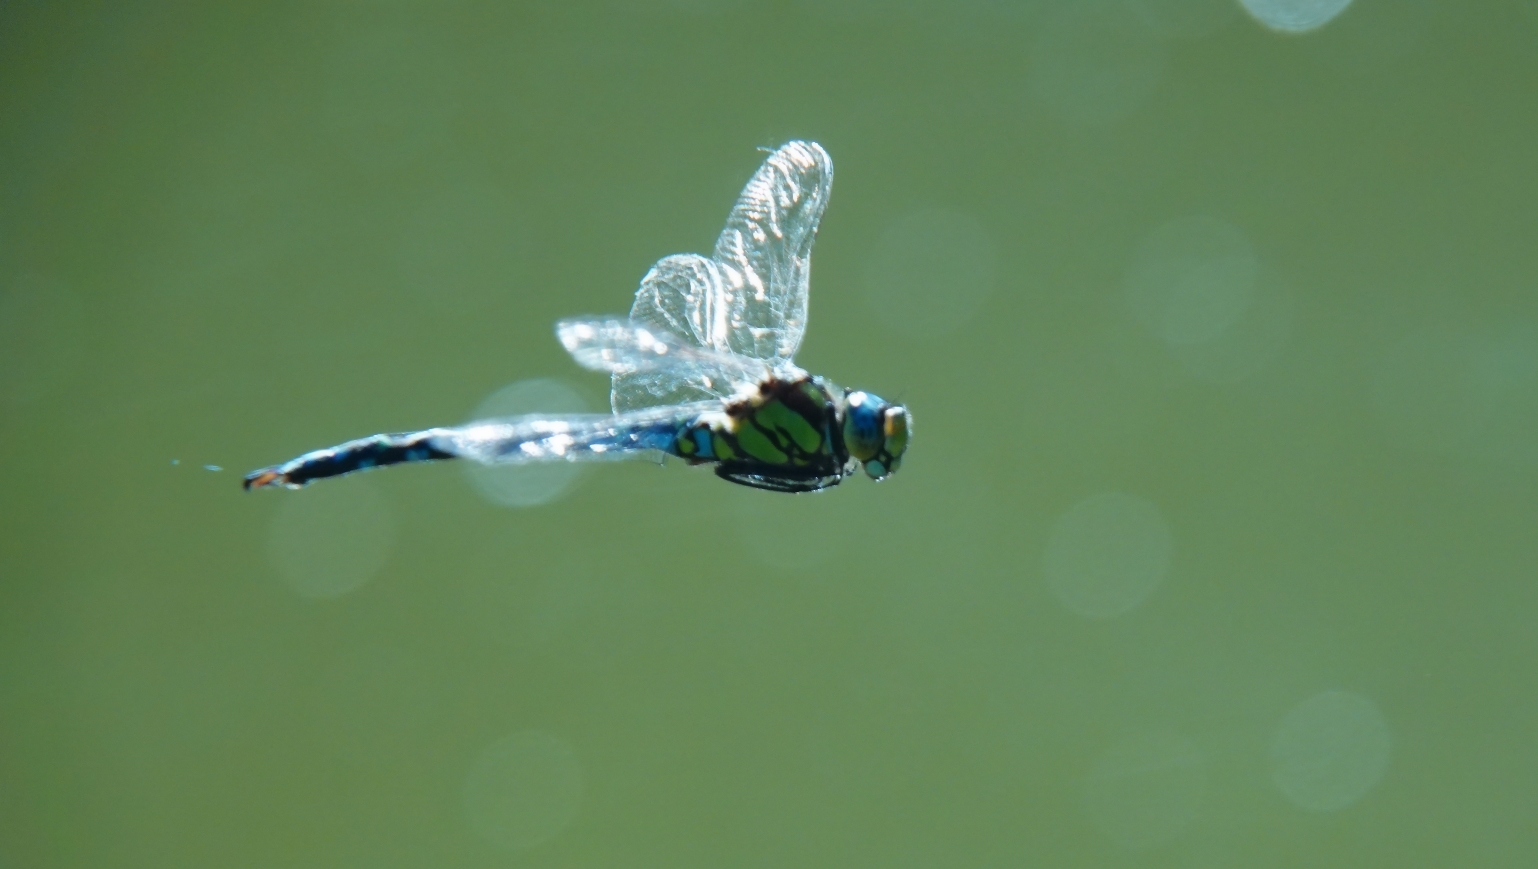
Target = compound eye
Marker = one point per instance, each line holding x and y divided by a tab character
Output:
863	425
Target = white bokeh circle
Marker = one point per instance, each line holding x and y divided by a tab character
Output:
1191	278
1107	554
1330	750
1196	285
1294	16
1469	392
535	483
1096	63
523	790
331	539
1144	791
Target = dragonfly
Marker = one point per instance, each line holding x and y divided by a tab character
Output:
702	369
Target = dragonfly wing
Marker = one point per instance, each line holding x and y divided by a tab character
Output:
748	300
570	437
676	298
652	367
764	256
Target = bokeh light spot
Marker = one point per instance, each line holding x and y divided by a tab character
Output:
332	538
1468	392
536	483
523	790
1095	63
1107	554
1249	344
1196	285
1147	789
1295	16
1191	278
931	272
1330	750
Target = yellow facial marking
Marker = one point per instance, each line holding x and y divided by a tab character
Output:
895	427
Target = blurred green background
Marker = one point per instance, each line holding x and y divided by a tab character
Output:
1215	546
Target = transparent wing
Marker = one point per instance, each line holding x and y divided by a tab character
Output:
750	299
675	297
572	438
764	256
655	367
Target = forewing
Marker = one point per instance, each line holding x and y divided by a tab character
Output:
651	367
764	256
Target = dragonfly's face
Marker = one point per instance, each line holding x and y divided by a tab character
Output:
876	433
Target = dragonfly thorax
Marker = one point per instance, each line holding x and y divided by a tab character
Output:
799	434
785	435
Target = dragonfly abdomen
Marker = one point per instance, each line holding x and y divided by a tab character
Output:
362	454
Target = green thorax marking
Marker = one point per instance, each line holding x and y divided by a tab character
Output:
790	424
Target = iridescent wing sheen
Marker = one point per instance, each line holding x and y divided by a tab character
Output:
575	437
656	367
764	256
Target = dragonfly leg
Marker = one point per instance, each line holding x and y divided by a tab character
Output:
776	477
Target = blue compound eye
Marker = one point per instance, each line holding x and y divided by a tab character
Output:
863	421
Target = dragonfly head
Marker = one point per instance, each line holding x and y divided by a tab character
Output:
876	433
